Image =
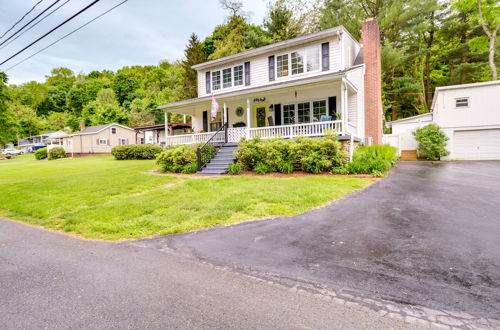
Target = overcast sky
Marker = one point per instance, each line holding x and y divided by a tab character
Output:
140	32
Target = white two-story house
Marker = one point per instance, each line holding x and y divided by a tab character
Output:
308	86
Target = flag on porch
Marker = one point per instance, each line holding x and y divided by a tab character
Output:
215	108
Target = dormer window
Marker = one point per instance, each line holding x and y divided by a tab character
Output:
462	102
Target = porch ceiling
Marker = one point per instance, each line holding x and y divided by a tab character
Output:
189	107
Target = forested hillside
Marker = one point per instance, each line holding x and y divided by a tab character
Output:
425	44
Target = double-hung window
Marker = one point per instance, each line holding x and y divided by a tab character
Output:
282	65
297	62
216	80
227	78
319	109
289	114
304	112
113	130
103	142
238	75
312	56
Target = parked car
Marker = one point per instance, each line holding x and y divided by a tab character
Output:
12	151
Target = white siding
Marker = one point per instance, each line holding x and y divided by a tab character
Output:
352	108
356	77
259	71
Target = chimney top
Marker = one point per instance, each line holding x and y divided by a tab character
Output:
82	125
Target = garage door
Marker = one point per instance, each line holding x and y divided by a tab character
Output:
477	144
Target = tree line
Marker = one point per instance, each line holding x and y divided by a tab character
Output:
425	44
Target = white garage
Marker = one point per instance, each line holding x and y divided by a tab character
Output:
477	144
468	114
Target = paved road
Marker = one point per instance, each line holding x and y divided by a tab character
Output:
428	235
53	281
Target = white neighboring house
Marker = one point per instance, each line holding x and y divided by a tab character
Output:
469	115
322	82
31	143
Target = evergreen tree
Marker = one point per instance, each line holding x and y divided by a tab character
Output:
193	54
279	23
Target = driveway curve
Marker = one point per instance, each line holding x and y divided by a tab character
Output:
427	235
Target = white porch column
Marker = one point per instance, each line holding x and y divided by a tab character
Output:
166	127
184	119
248	119
344	106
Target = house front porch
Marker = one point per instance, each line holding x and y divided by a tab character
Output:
312	109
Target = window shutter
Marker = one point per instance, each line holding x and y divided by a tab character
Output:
325	56
97	142
277	114
205	121
207	82
271	68
332	107
247	73
108	142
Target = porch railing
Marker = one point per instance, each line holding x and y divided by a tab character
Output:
216	140
283	131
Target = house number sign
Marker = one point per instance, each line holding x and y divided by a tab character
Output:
259	99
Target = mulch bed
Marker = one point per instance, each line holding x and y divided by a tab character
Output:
296	174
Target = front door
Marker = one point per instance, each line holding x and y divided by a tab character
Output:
260	115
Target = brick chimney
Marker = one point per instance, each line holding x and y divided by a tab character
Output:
82	125
370	38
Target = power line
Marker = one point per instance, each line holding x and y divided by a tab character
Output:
29	11
66	35
46	34
25	25
36	23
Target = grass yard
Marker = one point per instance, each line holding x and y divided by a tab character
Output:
99	197
20	157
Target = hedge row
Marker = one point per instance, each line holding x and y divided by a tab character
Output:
136	151
182	159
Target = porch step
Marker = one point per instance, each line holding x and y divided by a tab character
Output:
408	155
222	159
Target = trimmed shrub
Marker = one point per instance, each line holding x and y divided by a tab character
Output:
431	142
41	153
373	159
182	159
136	151
57	153
279	155
234	169
261	168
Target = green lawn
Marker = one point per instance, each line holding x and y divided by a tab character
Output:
99	197
21	157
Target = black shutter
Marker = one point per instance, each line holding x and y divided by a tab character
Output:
271	68
207	82
277	114
247	73
332	107
325	56
205	121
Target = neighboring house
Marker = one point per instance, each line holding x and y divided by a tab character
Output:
308	86
469	115
155	134
32	143
98	139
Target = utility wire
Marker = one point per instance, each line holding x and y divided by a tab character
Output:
67	35
36	23
19	21
46	34
25	25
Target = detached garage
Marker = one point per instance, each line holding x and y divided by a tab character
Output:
477	144
468	114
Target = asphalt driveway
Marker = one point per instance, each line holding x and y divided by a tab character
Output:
428	235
